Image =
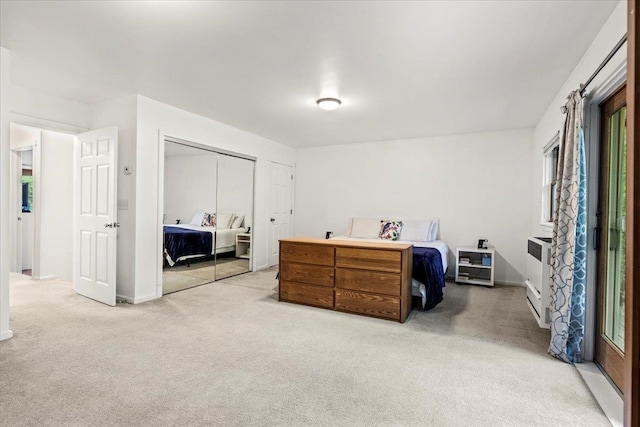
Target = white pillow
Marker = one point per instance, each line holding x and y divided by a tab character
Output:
433	232
349	226
365	228
224	220
197	218
415	230
237	223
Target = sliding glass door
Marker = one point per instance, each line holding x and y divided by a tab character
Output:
610	343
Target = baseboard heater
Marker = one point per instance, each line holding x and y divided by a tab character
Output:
539	279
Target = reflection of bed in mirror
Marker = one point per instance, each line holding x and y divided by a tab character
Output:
185	242
208	203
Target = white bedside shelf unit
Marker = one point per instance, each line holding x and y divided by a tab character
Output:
475	266
243	245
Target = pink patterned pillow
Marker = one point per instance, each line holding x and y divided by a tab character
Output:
390	230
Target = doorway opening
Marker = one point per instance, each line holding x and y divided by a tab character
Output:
41	202
27	210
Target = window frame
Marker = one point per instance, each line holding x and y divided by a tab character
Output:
549	164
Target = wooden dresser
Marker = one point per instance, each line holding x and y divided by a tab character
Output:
373	279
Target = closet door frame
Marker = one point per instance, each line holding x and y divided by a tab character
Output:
163	138
632	329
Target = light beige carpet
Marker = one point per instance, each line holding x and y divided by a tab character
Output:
180	277
229	354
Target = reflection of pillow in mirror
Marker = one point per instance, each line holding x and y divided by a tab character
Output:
208	220
197	218
237	223
433	232
225	220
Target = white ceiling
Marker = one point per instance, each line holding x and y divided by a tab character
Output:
402	69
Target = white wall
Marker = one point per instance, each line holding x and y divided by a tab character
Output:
5	108
190	186
552	120
477	184
56	205
155	117
121	112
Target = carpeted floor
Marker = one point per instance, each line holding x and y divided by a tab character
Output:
180	277
229	353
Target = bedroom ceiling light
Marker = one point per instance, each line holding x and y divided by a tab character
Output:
328	103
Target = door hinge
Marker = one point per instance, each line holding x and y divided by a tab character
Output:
291	177
291	211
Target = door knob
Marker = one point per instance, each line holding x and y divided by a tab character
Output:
273	220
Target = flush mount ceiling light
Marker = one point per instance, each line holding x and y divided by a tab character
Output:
328	103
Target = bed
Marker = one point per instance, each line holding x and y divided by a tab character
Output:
429	254
184	242
429	266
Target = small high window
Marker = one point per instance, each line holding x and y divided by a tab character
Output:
549	185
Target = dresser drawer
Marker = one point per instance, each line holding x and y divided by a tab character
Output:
319	296
307	273
368	281
306	253
369	259
369	304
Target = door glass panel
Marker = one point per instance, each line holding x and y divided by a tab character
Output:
616	231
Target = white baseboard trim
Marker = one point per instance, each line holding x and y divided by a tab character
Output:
50	277
510	283
5	335
145	299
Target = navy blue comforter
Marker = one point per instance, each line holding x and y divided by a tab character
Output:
427	269
179	242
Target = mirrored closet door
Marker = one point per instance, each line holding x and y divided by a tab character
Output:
235	205
208	212
190	176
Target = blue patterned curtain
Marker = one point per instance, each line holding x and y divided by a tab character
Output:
569	243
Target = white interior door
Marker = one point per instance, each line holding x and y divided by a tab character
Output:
16	209
95	214
280	225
